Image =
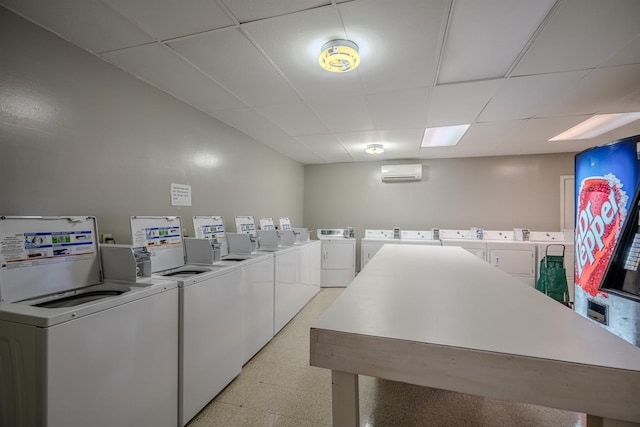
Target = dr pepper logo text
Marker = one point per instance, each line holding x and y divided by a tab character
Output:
600	214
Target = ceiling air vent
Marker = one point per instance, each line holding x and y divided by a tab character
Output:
391	173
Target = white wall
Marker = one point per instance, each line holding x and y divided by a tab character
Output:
496	193
80	137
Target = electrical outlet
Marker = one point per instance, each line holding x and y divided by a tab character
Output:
104	237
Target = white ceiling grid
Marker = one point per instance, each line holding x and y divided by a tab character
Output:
519	71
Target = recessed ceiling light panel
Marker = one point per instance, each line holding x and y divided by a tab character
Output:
597	125
444	136
339	56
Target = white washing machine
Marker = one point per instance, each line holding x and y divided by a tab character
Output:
257	281
292	285
76	350
210	333
338	257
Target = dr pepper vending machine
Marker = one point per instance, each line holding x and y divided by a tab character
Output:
607	237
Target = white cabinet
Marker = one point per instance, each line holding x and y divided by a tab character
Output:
517	259
338	262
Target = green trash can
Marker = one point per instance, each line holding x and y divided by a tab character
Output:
553	276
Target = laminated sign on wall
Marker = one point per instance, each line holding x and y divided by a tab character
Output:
180	195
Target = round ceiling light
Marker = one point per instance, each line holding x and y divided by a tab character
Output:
339	56
374	149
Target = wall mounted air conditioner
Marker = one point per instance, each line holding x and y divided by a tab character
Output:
392	173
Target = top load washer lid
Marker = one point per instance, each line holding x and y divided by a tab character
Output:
47	255
210	227
50	310
267	224
246	225
285	224
162	236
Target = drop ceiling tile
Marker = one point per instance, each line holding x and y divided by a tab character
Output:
479	30
295	118
629	102
523	97
250	122
159	65
229	58
597	92
90	24
358	139
486	139
165	19
293	149
399	109
398	41
459	103
252	10
338	158
346	114
582	34
297	57
323	144
629	54
405	140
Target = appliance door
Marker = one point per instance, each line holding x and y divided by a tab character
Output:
514	261
338	255
116	367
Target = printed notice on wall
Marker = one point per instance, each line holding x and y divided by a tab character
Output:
180	195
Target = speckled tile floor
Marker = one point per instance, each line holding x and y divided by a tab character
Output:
279	388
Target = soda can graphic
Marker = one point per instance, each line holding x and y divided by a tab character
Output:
600	214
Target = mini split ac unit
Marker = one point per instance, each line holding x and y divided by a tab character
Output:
401	173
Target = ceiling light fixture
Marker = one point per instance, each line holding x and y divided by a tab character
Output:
597	125
339	56
443	136
374	149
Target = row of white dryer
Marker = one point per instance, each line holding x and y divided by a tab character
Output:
520	259
137	336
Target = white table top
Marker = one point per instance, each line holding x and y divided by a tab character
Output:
447	296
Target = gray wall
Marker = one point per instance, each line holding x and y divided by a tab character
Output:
496	193
78	136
